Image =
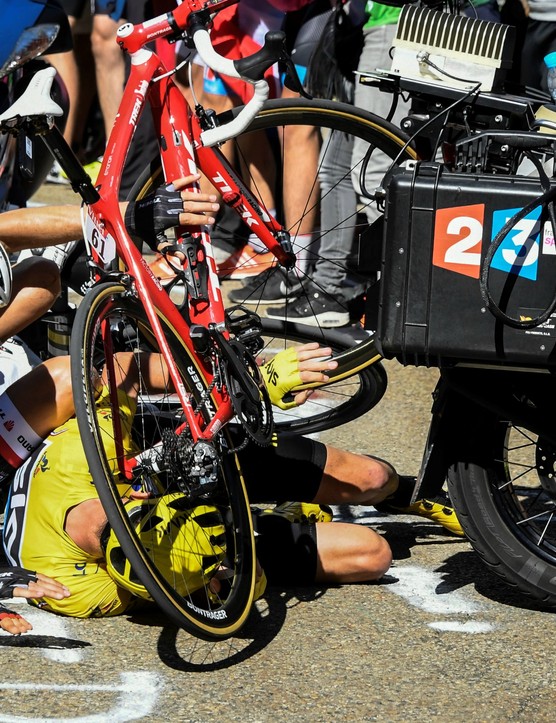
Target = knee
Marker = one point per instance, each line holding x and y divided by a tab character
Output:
349	553
379	480
59	370
103	36
374	557
50	274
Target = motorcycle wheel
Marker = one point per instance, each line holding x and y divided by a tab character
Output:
505	498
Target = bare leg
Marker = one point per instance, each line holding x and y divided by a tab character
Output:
255	160
36	285
301	143
43	396
350	478
110	67
350	553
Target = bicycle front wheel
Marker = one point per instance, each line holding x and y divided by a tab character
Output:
138	447
335	230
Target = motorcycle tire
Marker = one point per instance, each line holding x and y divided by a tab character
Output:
503	490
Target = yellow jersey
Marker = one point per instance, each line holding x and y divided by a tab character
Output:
52	481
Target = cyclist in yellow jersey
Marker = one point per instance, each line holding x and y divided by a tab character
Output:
25	293
54	481
54	519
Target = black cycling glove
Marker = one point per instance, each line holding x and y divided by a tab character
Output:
154	214
11	577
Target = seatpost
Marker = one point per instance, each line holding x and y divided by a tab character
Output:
80	181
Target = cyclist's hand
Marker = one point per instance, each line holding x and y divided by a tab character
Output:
19	582
13	622
292	367
197	208
169	206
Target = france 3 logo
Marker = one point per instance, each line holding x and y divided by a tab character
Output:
458	241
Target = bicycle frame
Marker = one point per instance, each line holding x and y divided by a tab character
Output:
182	153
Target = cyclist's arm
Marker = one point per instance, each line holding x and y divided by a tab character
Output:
26	228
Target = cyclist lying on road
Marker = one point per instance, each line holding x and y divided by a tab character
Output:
60	524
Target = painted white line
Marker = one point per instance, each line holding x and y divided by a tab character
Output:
137	696
419	587
468	627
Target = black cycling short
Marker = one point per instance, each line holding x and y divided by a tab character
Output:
286	550
290	469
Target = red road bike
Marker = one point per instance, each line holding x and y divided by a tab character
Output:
181	439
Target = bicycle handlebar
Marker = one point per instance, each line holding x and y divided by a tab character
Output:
193	17
260	61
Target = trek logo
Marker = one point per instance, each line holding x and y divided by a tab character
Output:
9	425
458	241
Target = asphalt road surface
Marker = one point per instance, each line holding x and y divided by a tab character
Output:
439	637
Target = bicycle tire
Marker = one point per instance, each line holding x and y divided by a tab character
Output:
329	116
503	494
110	320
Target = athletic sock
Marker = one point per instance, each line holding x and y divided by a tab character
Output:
305	255
403	494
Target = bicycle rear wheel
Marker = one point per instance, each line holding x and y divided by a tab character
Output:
273	289
110	324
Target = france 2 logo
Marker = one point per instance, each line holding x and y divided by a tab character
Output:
458	239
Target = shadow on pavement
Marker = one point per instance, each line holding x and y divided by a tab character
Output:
181	651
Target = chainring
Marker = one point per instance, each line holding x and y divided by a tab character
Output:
249	395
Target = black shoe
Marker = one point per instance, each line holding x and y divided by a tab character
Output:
314	308
270	287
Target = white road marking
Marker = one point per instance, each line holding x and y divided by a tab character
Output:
138	693
458	627
419	587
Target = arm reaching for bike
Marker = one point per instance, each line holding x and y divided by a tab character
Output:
26	228
295	366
